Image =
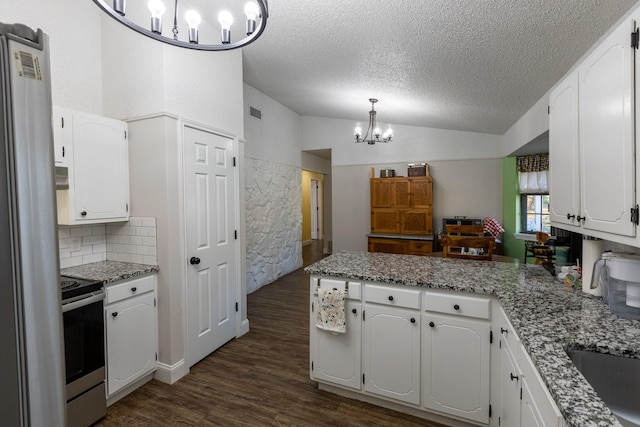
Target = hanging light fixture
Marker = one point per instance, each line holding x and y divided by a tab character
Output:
373	129
256	12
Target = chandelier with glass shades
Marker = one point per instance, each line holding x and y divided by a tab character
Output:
210	19
373	129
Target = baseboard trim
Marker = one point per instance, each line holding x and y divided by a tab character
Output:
417	412
244	328
171	373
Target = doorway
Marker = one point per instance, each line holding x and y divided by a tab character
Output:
316	209
313	206
211	243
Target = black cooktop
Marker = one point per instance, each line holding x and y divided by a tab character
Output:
72	287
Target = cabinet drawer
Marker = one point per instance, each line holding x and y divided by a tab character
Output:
128	288
420	246
460	305
353	288
392	296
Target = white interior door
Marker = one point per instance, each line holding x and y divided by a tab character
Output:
316	209
210	230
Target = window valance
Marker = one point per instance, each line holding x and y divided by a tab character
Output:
532	173
533	163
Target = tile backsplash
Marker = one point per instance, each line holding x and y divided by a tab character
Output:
132	241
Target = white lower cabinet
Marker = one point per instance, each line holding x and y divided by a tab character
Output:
510	385
455	355
131	331
459	357
336	358
524	399
392	352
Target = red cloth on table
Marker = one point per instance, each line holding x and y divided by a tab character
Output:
492	226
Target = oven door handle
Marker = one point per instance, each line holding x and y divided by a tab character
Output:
82	302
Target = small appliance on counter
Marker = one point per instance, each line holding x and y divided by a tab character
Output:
618	277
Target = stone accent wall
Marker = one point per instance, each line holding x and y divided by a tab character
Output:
274	221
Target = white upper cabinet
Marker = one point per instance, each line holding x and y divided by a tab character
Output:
98	168
62	134
564	152
607	140
592	142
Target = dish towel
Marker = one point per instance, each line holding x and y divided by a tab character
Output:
331	311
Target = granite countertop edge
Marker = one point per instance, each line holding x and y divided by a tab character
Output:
109	271
549	317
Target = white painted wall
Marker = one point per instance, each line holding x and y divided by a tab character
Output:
410	143
460	187
534	123
74	35
203	87
277	136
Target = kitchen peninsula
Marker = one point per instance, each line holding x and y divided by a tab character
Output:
527	311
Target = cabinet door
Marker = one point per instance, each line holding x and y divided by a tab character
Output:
606	102
392	352
564	152
421	193
456	363
530	415
509	389
381	196
62	134
401	193
385	220
131	330
336	358
101	177
416	221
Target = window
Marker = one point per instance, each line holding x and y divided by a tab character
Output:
534	210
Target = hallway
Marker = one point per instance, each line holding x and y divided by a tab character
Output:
261	378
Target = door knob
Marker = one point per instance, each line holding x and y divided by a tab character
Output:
194	260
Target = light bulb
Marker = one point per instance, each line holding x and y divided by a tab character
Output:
358	131
377	132
226	20
389	133
193	20
156	7
251	10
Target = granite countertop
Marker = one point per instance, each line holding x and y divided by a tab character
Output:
549	317
108	271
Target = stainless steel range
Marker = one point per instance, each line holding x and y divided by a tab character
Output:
83	318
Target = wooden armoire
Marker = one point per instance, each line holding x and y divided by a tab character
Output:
401	215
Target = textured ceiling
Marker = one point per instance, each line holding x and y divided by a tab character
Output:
473	65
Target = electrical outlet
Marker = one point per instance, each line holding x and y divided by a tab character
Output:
76	243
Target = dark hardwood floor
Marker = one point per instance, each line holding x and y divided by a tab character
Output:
261	378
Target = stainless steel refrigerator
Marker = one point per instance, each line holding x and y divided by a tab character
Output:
32	377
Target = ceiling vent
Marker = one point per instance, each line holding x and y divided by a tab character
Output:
254	112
